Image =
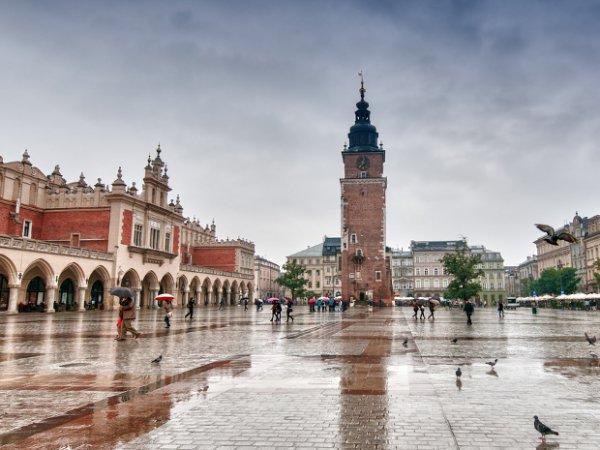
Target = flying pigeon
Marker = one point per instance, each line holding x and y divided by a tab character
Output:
492	363
157	360
591	340
405	343
594	356
553	237
458	373
543	429
454	341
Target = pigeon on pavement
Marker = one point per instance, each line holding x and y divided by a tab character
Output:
543	429
454	341
157	359
492	363
591	340
458	373
553	237
405	343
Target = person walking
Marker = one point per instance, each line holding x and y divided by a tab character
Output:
168	307
431	310
274	312
127	315
289	310
415	309
190	305
246	304
222	303
422	308
469	308
279	309
500	310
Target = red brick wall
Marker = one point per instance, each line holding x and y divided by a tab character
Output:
8	225
363	214
127	227
176	232
215	258
92	226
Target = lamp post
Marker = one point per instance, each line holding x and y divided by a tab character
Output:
559	266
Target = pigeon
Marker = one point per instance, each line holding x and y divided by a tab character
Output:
157	360
543	429
594	356
553	237
454	341
458	373
492	363
405	343
591	340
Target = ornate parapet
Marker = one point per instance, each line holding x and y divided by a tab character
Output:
207	271
51	248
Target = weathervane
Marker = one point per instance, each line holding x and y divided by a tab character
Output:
362	89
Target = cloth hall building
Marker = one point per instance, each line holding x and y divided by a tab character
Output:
64	245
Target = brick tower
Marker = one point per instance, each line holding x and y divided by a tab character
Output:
365	274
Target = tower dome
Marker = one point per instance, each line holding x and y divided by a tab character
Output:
363	135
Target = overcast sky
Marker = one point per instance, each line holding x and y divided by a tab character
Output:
489	111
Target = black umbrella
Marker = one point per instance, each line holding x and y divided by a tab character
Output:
122	292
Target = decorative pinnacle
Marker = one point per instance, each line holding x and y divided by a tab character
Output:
362	89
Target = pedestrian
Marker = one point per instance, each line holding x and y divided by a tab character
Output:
274	311
431	310
500	310
168	307
127	315
422	308
415	309
279	309
469	308
222	303
190	305
289	310
245	303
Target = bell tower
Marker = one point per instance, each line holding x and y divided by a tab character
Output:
365	273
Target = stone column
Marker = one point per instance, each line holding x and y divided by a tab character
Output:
198	299
50	297
81	298
153	295
13	298
108	301
138	295
208	297
186	297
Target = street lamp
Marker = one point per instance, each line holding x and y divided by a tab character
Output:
559	266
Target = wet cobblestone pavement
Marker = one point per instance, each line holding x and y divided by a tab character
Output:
233	380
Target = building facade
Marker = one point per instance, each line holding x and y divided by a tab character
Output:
265	279
65	245
402	272
493	283
365	273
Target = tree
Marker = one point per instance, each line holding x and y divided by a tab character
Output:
553	281
293	278
596	272
464	268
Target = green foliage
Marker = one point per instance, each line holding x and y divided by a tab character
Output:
293	278
596	272
552	281
463	267
309	294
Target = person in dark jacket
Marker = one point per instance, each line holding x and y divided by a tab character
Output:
190	305
469	308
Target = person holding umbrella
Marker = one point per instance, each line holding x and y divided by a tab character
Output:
126	312
168	307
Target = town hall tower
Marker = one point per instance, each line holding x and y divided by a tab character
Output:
364	272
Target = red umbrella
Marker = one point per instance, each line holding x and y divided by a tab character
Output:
312	300
165	297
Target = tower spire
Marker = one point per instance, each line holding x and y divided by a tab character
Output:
362	89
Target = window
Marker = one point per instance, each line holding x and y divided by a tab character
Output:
27	228
155	238
418	284
436	283
167	241
445	282
363	174
318	284
137	234
426	271
378	275
417	271
353	239
436	271
318	273
426	283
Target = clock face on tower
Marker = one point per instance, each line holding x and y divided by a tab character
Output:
362	162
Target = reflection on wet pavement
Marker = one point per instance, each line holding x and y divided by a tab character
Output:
232	379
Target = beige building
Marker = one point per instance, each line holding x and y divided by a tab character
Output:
592	253
266	274
402	272
64	245
493	284
430	277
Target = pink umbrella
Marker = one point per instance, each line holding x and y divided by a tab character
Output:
272	299
312	300
164	297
